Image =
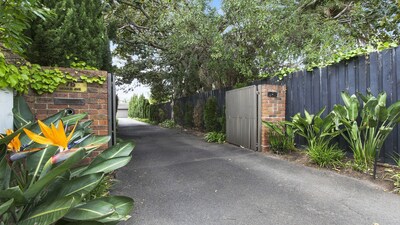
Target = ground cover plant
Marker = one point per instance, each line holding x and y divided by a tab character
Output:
42	179
168	124
214	136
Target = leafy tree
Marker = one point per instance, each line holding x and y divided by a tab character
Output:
15	18
76	31
189	47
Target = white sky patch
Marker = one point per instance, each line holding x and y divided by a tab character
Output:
126	91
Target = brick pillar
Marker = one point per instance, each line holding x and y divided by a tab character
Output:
273	108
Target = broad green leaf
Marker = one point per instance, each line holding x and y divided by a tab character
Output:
353	108
80	185
22	112
5	206
49	212
118	150
72	119
309	117
354	131
92	210
382	99
39	185
13	193
320	112
123	206
36	161
93	142
346	98
107	166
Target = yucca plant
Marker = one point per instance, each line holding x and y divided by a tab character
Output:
365	127
43	180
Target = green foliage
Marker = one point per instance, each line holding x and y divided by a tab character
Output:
157	113
33	76
215	137
211	115
195	48
395	178
317	131
102	189
178	112
280	137
168	124
188	115
198	118
366	126
15	18
76	30
325	155
139	107
47	186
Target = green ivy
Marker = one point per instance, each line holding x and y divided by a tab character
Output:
336	58
26	76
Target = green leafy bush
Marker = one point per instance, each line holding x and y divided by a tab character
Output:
326	155
215	137
168	124
178	112
211	115
365	127
315	129
139	107
280	137
188	116
46	183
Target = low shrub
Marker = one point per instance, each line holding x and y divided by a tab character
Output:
280	137
326	155
215	137
211	115
168	124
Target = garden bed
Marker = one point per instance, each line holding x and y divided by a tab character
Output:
382	173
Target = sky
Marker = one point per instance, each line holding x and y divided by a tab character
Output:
137	88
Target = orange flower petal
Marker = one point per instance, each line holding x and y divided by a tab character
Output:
45	129
37	138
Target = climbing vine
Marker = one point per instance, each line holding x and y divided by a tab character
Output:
335	58
24	76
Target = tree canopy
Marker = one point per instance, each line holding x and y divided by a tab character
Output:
76	31
15	18
182	47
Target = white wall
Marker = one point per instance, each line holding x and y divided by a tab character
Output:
6	105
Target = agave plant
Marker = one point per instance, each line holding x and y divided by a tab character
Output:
45	181
365	127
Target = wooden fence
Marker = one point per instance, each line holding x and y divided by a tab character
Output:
321	87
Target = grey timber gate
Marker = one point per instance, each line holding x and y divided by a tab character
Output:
242	117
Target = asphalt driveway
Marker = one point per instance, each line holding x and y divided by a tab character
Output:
179	179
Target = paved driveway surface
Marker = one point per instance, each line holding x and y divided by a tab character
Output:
178	179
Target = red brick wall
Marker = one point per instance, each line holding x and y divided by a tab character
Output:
273	109
96	101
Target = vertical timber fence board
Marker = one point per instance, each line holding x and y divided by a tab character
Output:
379	71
